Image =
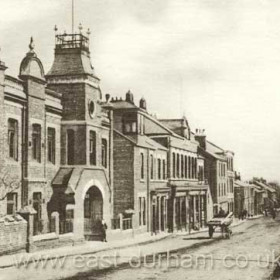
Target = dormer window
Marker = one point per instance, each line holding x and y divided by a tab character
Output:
130	123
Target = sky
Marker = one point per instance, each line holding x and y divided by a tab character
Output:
215	61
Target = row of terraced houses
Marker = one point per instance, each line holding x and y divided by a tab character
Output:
71	157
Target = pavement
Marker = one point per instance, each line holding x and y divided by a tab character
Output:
91	247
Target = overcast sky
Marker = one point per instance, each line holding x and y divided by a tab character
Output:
216	61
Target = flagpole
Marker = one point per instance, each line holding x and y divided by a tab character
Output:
72	16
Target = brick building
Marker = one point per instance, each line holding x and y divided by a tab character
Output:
219	172
56	142
157	171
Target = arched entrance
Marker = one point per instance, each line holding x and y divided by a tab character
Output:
93	213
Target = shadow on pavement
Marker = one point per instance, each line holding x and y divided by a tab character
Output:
197	238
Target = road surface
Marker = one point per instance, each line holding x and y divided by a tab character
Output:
249	254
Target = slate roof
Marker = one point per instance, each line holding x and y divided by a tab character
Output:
143	141
265	186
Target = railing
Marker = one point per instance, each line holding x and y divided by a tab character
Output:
67	41
116	223
66	226
127	223
37	227
43	226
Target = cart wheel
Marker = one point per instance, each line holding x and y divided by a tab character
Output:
211	231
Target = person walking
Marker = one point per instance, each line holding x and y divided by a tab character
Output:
104	228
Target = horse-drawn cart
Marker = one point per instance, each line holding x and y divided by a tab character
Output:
221	222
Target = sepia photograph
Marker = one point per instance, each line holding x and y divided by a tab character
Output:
139	139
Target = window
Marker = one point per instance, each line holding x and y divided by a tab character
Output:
70	146
182	166
51	145
11	203
36	142
152	166
142	166
13	138
37	205
195	168
189	164
129	123
92	148
142	211
159	168
200	173
186	166
104	152
178	166
174	165
163	170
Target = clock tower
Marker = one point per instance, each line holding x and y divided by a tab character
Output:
85	123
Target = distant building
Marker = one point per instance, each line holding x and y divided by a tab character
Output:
219	171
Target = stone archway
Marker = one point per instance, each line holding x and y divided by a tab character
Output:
80	196
93	214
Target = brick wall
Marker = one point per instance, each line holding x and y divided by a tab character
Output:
13	234
73	100
123	174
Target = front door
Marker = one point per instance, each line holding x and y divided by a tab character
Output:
93	214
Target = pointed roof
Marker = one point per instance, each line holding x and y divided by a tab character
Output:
31	65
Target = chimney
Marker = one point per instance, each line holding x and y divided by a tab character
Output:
129	97
200	137
143	104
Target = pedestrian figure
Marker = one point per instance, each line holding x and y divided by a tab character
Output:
221	213
245	213
273	213
104	228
